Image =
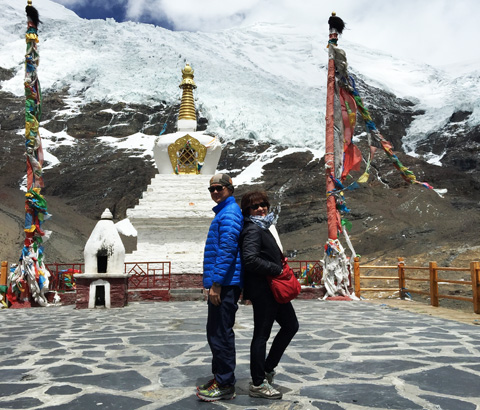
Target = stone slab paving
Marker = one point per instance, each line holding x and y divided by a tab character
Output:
347	355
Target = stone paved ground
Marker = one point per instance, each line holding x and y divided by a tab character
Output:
347	355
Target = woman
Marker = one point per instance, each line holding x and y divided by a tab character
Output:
262	257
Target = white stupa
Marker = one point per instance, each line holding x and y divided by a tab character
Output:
173	216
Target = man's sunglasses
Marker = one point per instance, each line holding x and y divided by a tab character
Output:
217	188
254	207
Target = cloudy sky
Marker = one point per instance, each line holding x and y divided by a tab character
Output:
438	32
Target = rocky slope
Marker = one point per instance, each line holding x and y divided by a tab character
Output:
390	218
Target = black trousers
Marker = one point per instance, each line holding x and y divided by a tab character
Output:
221	337
267	310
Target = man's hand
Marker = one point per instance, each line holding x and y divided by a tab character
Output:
214	294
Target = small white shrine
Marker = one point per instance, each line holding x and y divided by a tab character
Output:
174	214
104	283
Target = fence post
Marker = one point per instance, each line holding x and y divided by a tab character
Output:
433	283
474	269
401	277
3	274
356	275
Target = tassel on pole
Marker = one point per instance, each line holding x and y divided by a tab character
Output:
336	23
32	13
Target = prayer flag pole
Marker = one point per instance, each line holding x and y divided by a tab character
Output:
329	134
335	265
30	278
342	156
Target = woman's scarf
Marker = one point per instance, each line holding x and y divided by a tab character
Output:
263	222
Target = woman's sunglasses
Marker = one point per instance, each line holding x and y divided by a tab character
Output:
254	207
217	188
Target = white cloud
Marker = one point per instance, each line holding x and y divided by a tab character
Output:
135	9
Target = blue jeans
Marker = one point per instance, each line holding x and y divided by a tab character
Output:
221	337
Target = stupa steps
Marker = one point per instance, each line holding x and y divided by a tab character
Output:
177	194
186	294
184	198
183	192
161	255
170	207
148	214
183	179
165	256
167	203
181	262
194	183
173	192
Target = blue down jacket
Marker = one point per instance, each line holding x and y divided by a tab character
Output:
222	261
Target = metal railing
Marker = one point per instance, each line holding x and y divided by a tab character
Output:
142	275
148	275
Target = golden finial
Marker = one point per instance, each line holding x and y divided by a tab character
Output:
29	3
187	106
333	13
187	76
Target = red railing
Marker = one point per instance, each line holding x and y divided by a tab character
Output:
142	275
148	275
157	275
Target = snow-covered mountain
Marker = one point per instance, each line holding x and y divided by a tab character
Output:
109	87
266	82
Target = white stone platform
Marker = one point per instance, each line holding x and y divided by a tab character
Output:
172	221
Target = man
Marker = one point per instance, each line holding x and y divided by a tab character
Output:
223	277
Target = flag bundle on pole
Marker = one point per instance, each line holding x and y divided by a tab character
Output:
342	156
30	278
347	101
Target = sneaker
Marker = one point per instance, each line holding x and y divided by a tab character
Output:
206	385
216	392
269	376
265	390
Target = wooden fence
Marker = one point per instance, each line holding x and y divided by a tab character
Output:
433	280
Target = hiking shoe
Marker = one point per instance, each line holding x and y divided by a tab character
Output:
269	376
206	385
265	391
216	392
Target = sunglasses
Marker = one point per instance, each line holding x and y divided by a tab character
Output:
254	207
217	188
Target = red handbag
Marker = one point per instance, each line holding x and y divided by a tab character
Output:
285	287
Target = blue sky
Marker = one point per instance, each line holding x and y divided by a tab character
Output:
434	31
116	9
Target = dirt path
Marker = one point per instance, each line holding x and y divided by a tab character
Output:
468	317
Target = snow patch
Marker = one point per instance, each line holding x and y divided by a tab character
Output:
126	228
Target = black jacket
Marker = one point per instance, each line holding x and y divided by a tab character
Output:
261	257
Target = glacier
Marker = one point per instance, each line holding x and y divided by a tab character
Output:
264	82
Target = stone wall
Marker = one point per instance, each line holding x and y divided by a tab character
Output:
118	291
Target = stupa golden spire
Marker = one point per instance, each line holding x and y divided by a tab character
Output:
187	107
